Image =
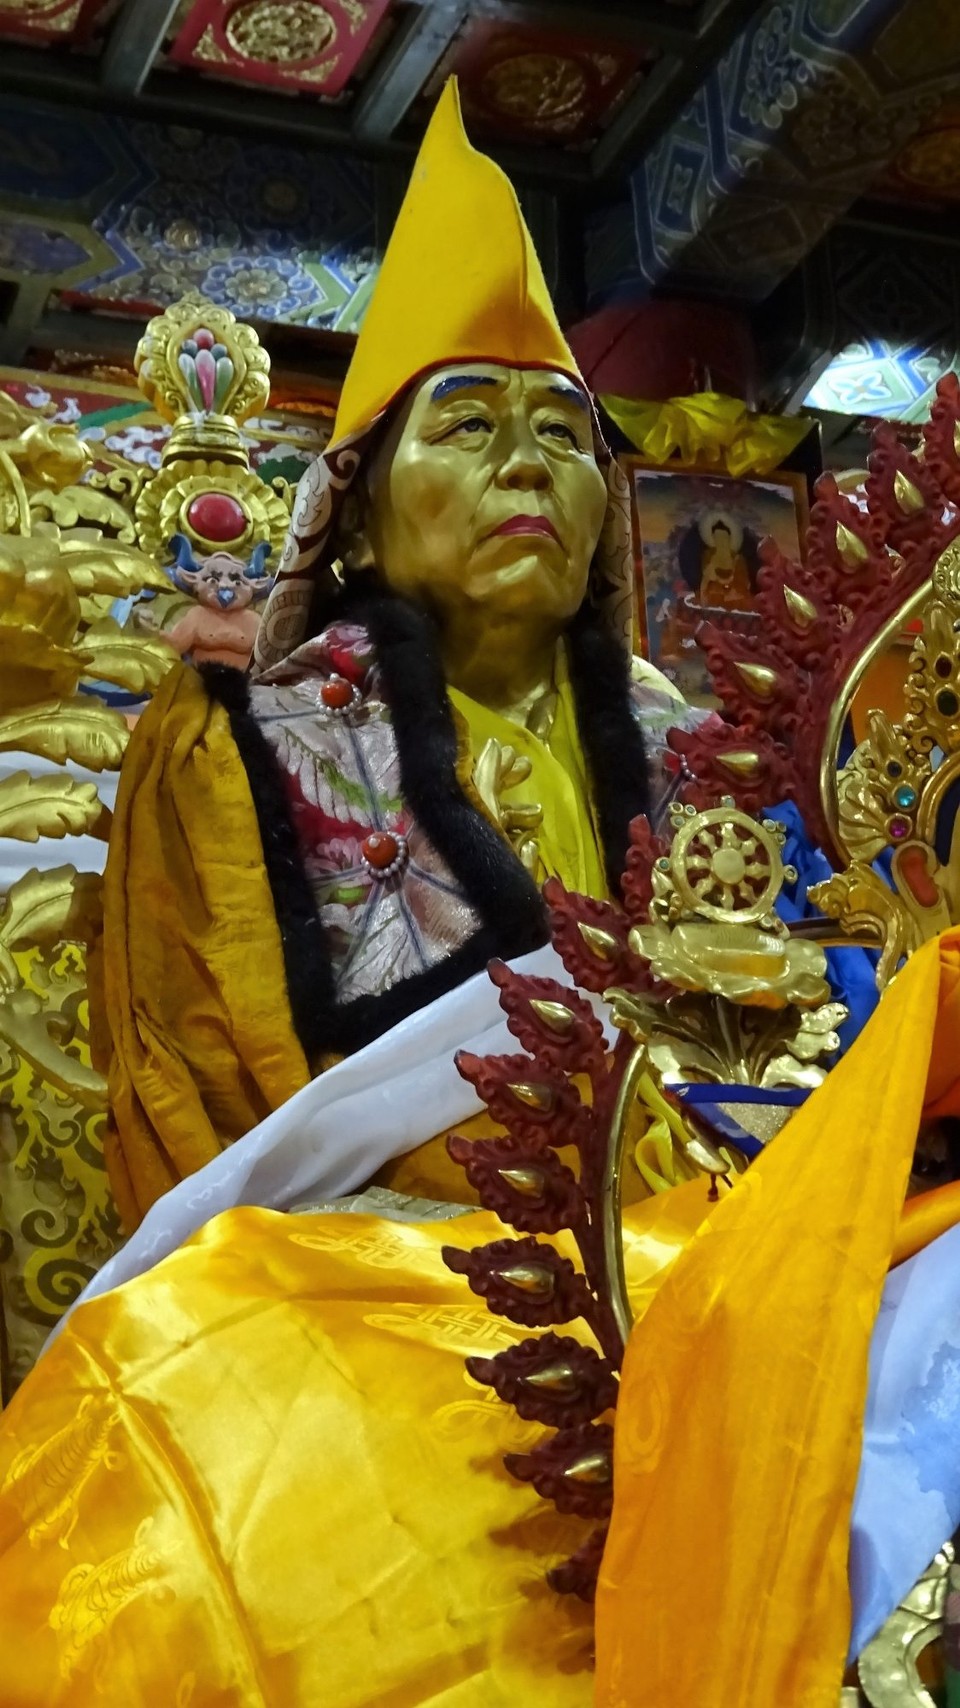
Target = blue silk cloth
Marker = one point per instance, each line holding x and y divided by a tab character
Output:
850	970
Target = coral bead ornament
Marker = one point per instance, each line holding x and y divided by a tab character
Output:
383	853
217	516
338	696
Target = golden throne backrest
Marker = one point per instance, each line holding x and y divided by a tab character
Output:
75	537
871	566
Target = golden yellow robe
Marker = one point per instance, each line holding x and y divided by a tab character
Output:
203	1045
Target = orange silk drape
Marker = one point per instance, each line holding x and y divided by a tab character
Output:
724	1580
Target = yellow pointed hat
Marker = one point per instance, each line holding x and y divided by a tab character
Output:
460	279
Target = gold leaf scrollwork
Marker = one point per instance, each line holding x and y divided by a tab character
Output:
31	807
135	662
865	906
82	730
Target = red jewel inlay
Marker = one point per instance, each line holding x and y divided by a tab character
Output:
380	849
217	516
337	694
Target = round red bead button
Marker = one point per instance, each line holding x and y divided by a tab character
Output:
380	850
203	338
217	516
337	694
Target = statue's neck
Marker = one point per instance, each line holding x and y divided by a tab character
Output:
505	665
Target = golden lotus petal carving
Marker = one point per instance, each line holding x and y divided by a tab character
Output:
527	1181
801	609
851	548
555	1378
533	1094
908	496
594	1467
555	1015
600	943
740	762
532	1278
759	678
157	360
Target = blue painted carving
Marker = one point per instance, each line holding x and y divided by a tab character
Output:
268	231
28	249
791	126
890	322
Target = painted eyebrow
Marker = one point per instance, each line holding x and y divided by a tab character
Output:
572	394
457	382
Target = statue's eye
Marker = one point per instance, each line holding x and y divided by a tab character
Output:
472	424
561	430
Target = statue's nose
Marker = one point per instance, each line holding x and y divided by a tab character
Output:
225	596
525	468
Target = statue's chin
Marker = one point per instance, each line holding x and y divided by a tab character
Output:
528	586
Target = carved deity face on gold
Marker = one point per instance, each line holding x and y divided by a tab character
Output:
486	495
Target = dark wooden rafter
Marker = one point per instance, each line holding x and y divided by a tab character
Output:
612	21
389	92
19	315
662	95
133	44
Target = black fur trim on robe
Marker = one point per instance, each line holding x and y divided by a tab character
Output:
511	911
512	915
610	736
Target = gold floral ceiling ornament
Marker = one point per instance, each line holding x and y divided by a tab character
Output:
280	34
57	16
538	88
752	1005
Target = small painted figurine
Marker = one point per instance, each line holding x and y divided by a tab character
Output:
222	626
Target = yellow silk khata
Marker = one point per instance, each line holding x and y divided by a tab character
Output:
260	1474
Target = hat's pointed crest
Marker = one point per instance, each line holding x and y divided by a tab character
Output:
460	278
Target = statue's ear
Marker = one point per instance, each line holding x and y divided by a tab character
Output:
353	540
185	568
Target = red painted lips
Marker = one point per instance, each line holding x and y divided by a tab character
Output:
528	525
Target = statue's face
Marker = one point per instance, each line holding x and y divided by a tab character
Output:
486	493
